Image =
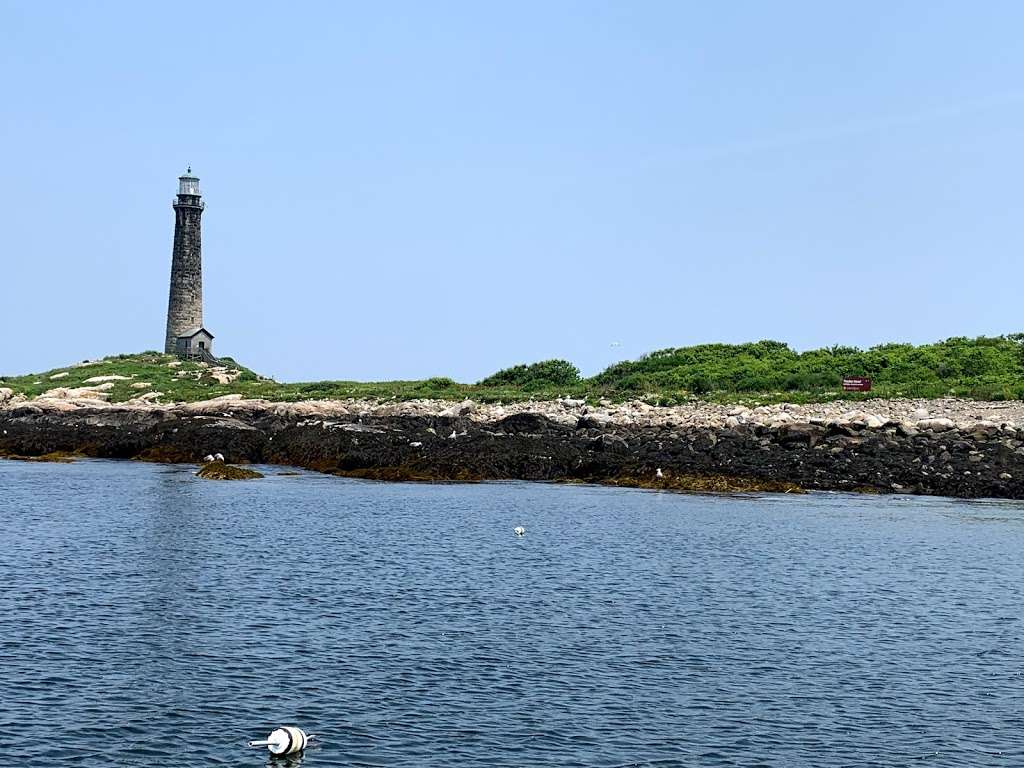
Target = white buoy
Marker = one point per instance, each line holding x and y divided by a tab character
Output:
519	530
287	740
218	456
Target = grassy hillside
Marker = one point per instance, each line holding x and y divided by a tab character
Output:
765	371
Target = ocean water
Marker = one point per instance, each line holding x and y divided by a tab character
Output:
149	618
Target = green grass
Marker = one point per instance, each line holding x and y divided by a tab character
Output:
985	368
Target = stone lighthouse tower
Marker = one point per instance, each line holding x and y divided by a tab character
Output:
185	332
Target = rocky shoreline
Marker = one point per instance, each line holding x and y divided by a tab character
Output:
943	447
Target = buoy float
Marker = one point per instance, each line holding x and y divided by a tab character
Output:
286	740
519	530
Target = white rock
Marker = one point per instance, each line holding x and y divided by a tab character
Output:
60	375
112	377
148	397
853	417
99	392
223	375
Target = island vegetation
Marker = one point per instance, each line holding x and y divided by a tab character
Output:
983	368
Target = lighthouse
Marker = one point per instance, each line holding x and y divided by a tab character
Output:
186	335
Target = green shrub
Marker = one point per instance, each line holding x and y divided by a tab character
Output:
440	382
549	373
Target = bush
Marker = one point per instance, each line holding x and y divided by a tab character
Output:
440	382
549	373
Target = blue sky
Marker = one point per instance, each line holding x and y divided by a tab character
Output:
400	190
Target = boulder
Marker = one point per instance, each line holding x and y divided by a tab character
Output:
983	429
593	421
854	418
811	434
936	425
524	423
464	408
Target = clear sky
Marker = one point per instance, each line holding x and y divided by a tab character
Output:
401	190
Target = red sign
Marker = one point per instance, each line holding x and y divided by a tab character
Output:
856	384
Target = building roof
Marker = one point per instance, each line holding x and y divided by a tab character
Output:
190	333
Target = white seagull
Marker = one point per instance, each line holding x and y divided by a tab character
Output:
218	456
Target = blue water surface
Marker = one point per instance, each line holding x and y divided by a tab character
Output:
150	618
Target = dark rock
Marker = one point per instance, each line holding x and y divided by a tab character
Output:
218	470
528	423
533	447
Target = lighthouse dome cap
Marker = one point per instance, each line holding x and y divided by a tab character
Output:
188	174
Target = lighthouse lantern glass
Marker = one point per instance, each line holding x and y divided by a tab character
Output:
188	185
